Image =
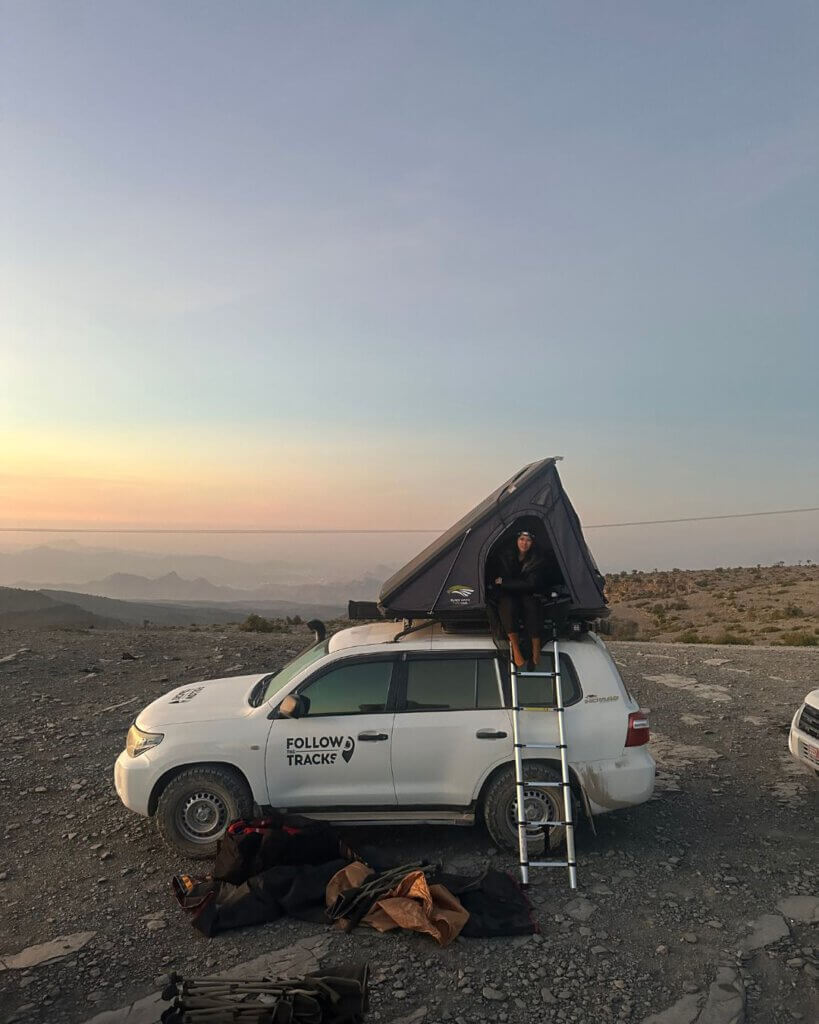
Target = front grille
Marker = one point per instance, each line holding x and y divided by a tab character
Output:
809	721
809	753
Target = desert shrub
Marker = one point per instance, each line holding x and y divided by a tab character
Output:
792	611
799	638
690	636
679	605
256	624
622	629
729	638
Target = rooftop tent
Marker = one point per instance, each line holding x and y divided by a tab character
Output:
447	580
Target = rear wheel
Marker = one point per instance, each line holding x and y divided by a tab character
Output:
500	808
198	804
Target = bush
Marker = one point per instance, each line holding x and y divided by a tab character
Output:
690	636
798	638
729	638
622	629
257	624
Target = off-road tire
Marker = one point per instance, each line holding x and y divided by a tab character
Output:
197	805
499	806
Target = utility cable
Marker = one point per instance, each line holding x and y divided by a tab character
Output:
252	532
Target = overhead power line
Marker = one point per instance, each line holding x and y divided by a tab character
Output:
702	519
262	532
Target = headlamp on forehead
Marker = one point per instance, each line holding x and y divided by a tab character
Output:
525	533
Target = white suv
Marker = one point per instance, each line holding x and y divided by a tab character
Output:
803	740
383	731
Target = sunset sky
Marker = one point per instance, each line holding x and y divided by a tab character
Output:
352	265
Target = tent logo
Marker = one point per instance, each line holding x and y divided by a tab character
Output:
460	594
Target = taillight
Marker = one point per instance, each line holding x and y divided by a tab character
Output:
638	728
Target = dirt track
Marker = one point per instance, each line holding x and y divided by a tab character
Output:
667	889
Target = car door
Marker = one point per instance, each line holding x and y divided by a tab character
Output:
451	728
338	754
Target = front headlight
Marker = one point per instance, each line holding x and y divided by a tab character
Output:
138	741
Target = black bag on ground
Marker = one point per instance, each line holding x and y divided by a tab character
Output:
250	846
285	890
496	904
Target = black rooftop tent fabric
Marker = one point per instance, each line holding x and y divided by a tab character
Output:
447	580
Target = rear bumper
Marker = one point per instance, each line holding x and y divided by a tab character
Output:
620	782
134	779
803	747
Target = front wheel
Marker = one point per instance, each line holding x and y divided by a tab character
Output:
500	808
197	806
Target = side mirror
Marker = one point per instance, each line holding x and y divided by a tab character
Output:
293	706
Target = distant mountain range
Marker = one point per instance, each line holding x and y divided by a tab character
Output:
217	590
58	608
172	587
72	561
29	609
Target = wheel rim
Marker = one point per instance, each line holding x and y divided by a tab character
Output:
536	807
202	816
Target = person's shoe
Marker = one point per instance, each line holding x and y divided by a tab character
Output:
517	655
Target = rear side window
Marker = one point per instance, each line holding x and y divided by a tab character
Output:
539	692
451	684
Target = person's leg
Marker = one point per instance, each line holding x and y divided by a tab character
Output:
533	613
509	611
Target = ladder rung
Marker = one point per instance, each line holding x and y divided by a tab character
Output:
542	746
536	707
543	785
539	675
552	864
545	824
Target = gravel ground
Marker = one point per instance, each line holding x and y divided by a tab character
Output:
660	925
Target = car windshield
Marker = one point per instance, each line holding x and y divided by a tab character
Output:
292	668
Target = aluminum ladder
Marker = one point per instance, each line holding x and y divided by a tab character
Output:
522	784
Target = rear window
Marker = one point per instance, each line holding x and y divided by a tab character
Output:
539	692
451	684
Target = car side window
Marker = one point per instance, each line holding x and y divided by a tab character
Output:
538	691
451	684
361	688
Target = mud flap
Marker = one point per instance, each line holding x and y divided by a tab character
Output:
588	810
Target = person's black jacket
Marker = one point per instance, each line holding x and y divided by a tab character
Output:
518	577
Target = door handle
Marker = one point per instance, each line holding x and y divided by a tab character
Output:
372	736
490	734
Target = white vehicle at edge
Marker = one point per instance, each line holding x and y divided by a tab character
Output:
383	732
803	740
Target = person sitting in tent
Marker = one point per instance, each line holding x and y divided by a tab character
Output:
521	569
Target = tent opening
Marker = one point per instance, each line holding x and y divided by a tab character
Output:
551	578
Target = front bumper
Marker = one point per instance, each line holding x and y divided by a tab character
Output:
134	779
804	748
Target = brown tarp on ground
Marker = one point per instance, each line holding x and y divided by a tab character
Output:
413	904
